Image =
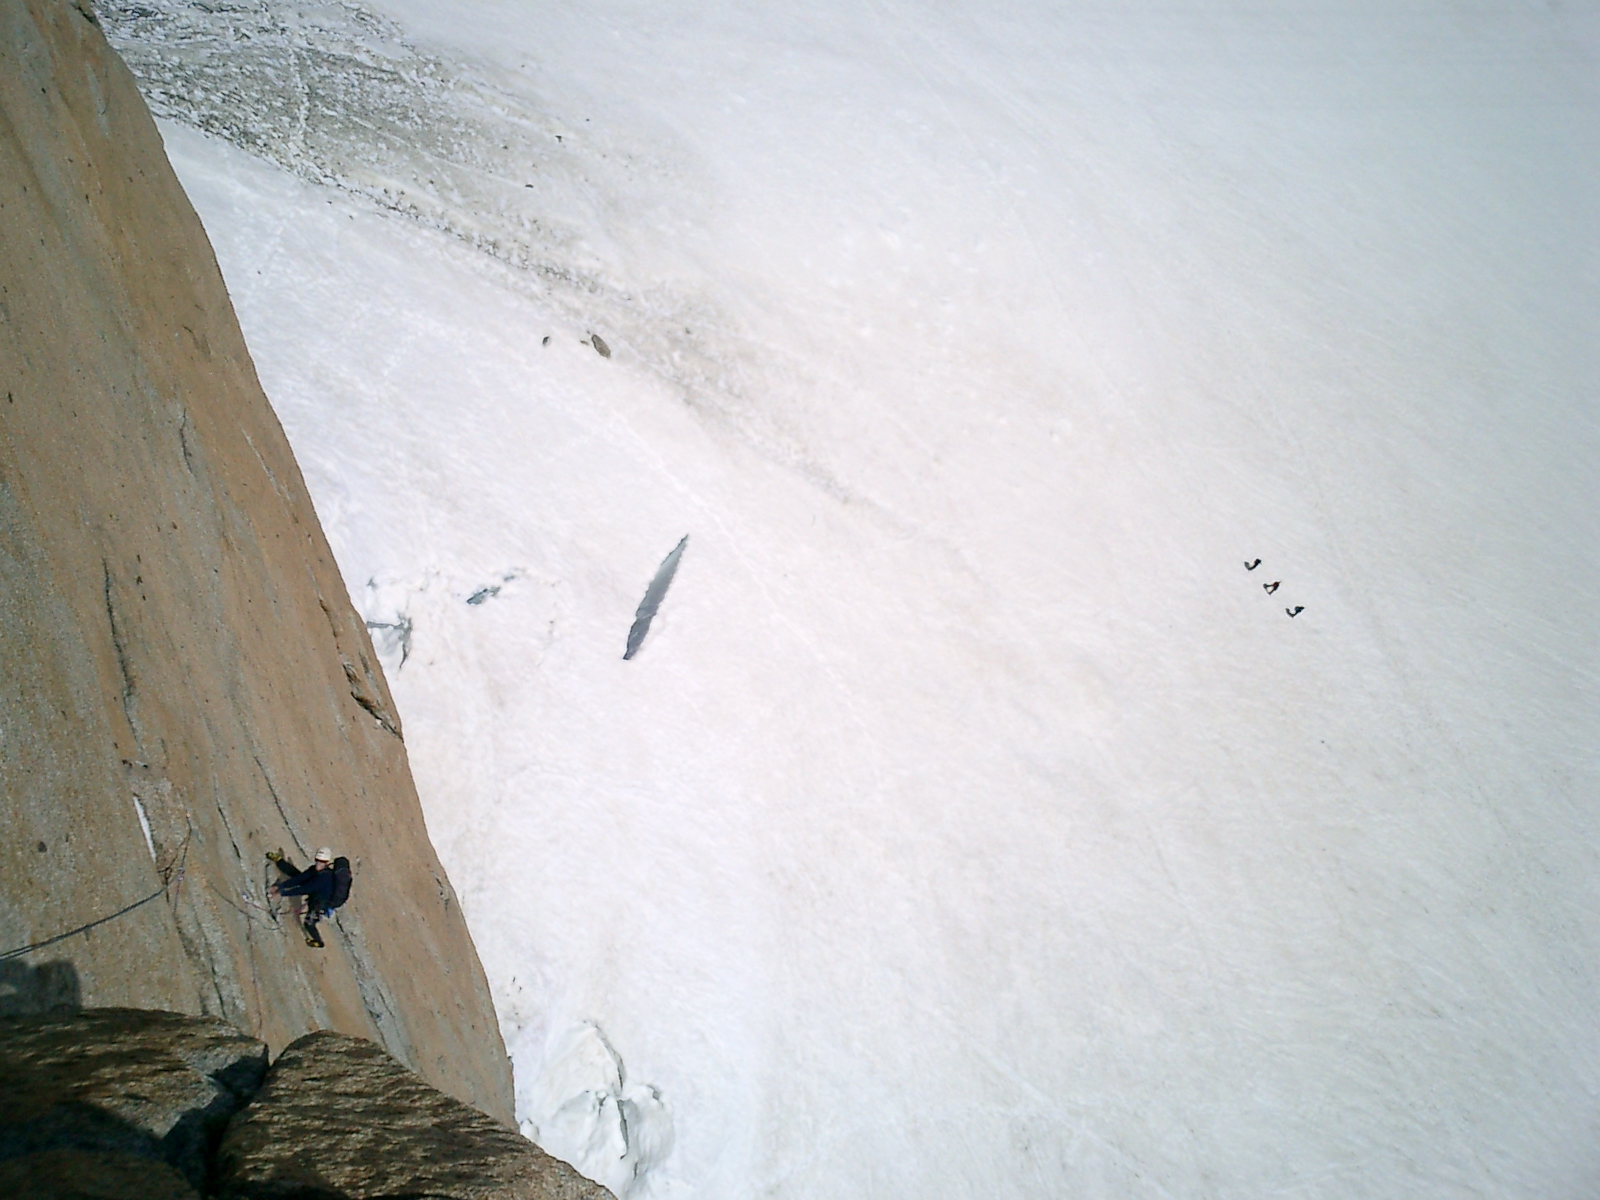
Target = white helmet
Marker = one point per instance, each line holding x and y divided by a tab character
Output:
324	855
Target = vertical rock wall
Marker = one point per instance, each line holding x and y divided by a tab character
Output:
183	682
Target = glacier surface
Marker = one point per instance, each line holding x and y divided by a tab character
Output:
975	824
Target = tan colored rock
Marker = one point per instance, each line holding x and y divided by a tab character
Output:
338	1117
176	646
85	1096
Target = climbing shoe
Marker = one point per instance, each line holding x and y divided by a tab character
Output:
275	855
314	939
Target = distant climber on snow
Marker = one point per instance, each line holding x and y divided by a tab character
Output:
325	887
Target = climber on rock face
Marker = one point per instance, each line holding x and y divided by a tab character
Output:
316	885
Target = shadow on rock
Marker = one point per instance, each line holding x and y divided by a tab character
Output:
51	987
88	1175
95	1094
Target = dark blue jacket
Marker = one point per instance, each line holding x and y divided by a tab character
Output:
316	886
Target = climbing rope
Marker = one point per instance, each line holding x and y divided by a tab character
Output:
250	902
173	882
61	937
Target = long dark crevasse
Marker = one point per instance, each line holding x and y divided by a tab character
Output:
652	598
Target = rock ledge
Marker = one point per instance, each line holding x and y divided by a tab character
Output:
339	1118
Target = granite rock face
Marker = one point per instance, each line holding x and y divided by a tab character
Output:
184	682
119	1095
338	1119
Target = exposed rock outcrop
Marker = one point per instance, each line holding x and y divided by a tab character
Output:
337	1117
123	1103
134	1099
183	681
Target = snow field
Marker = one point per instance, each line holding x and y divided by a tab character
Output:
971	822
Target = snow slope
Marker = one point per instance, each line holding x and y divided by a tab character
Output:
971	822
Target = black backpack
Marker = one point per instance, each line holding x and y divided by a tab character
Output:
341	882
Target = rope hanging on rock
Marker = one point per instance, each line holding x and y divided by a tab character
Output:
61	937
176	880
